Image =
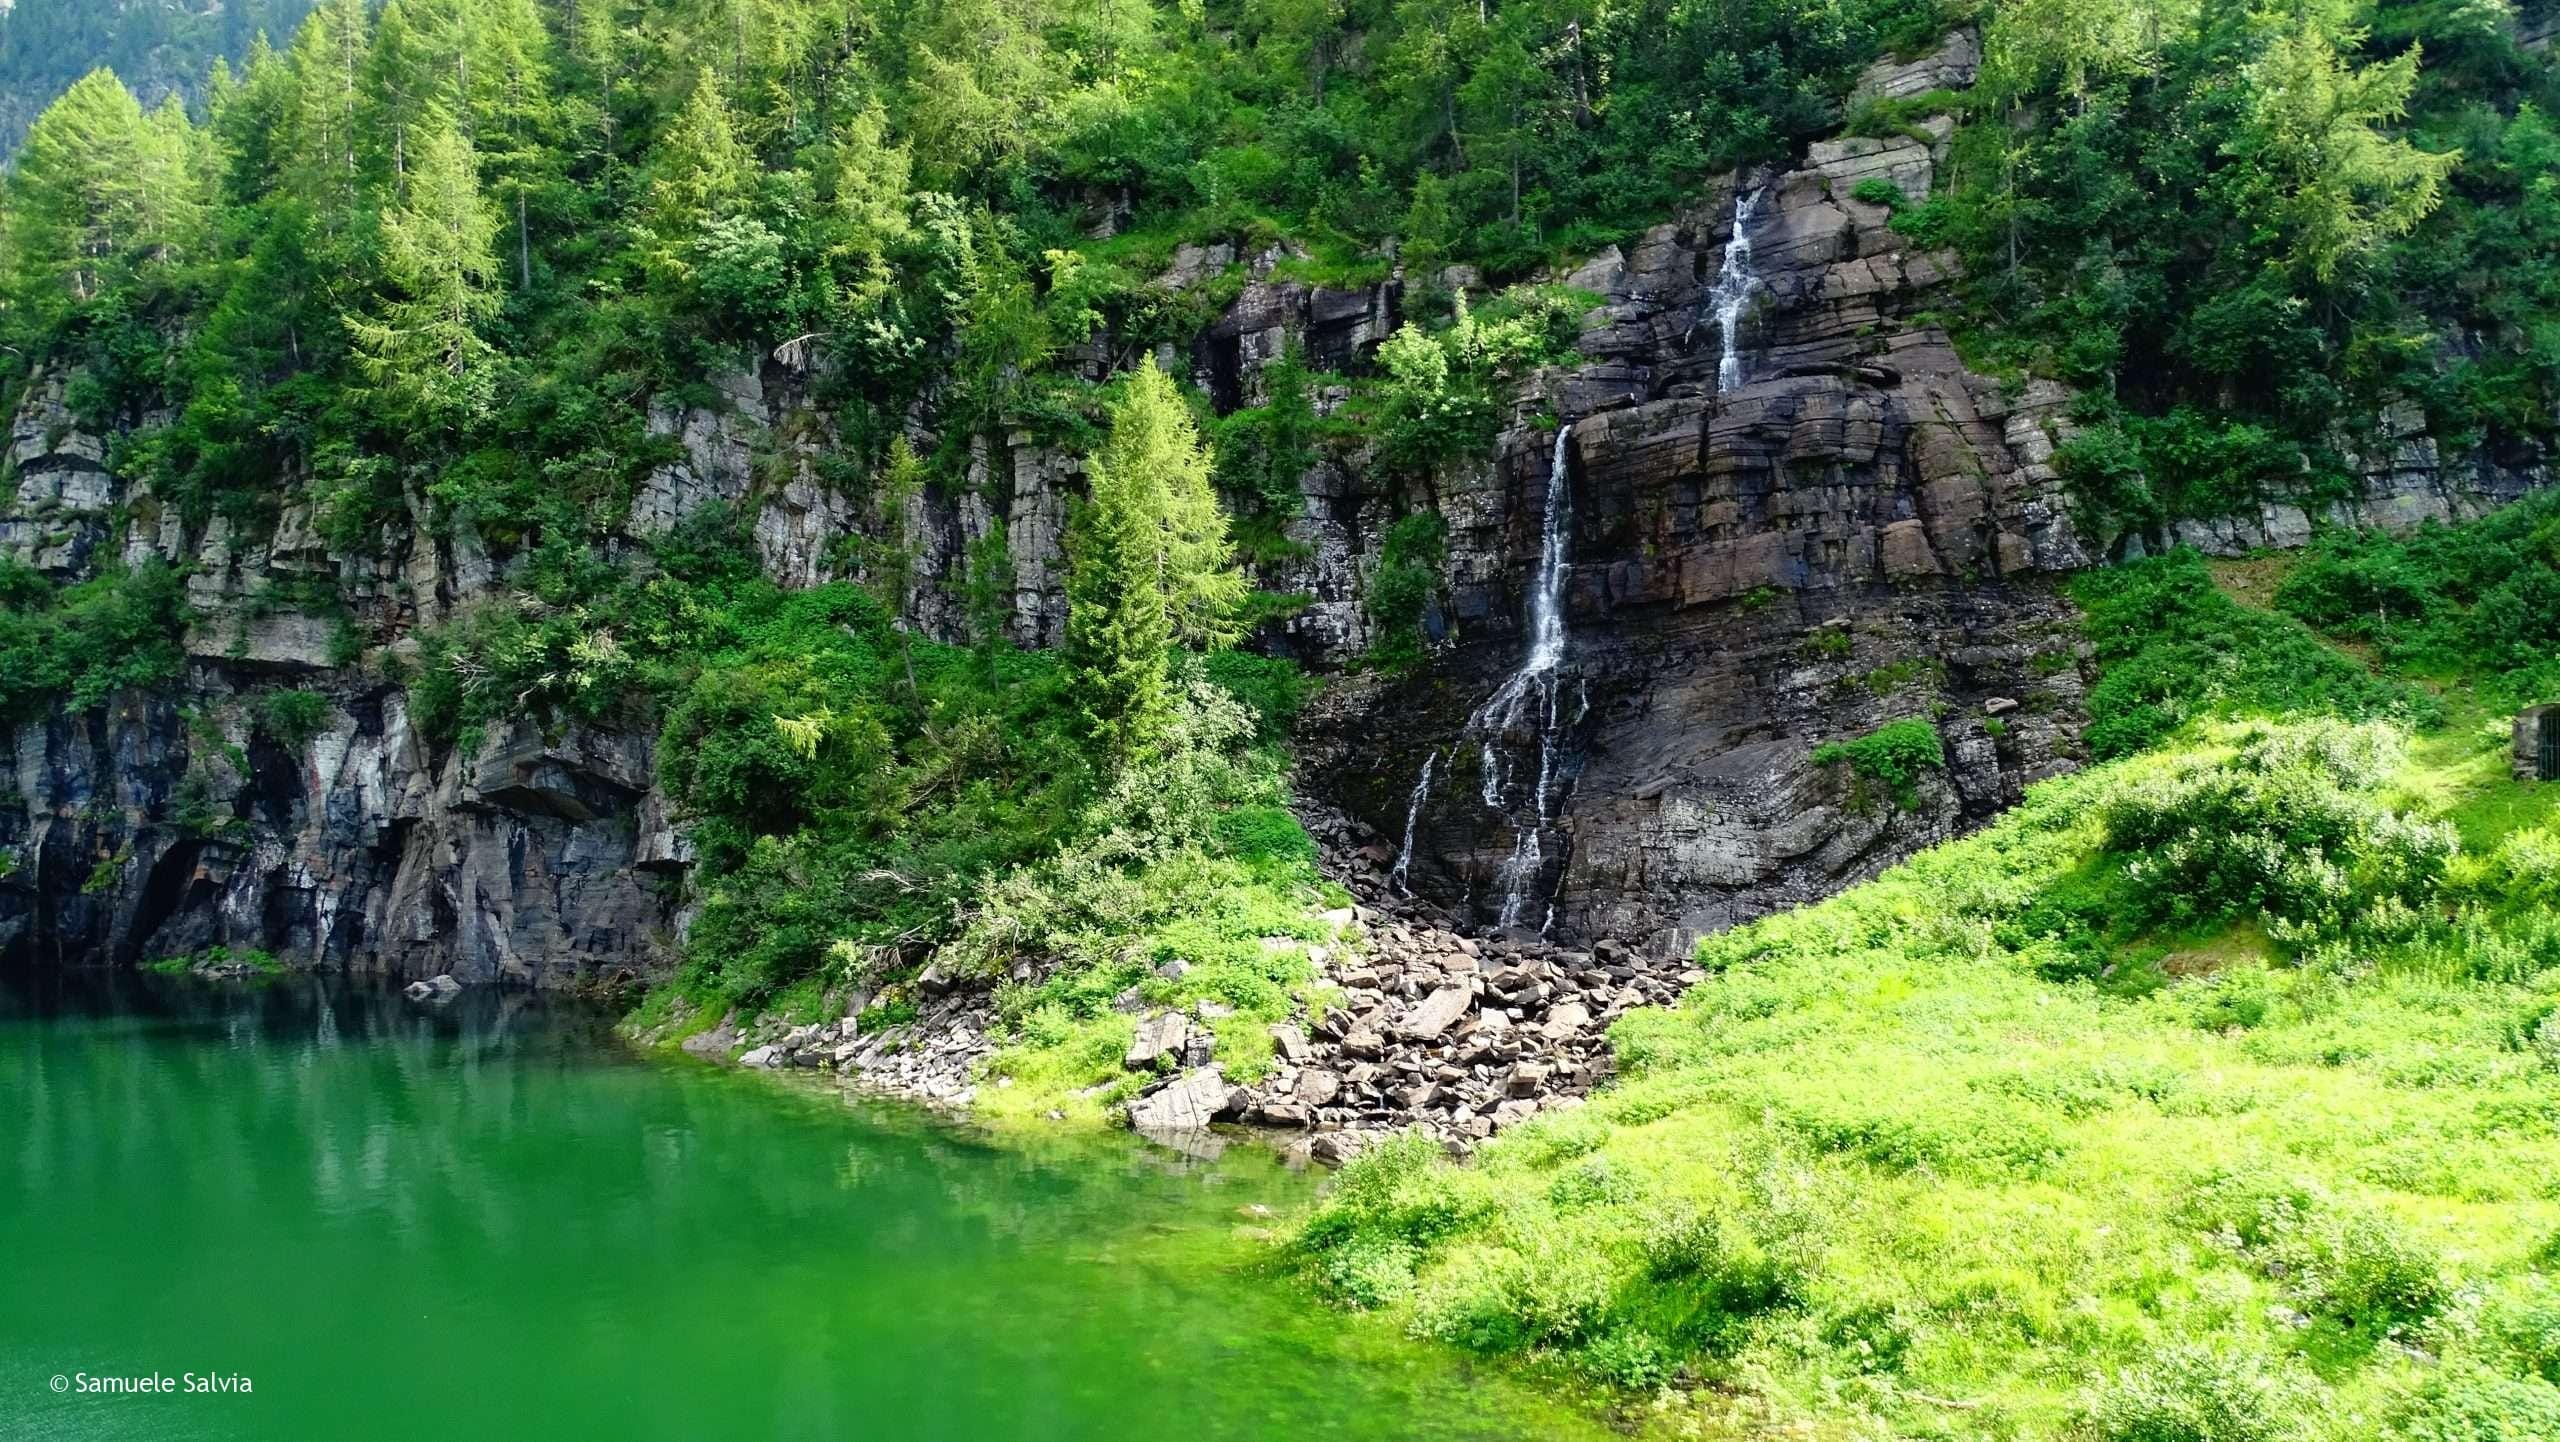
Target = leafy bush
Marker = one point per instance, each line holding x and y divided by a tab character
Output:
2172	647
2287	827
2342	1263
2472	1404
2199	1392
2480	599
1401	588
1442	397
76	645
292	718
1892	756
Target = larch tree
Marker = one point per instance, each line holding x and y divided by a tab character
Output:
704	174
101	191
513	115
327	64
2319	163
422	344
1150	565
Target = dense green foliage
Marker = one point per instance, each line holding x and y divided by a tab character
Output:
2201	1097
2171	647
2245	230
448	248
74	645
2479	600
1401	588
159	48
1892	756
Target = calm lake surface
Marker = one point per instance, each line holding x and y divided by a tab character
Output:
488	1220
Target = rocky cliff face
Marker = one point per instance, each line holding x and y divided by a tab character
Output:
1829	525
1834	526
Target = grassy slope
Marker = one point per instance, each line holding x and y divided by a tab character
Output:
1970	1151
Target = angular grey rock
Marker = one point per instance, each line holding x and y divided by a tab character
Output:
1566	1019
1436	1013
1318	1088
1289	1042
763	1056
1189	1104
1160	1035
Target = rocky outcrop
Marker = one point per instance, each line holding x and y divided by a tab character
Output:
1854	530
1834	526
1954	65
146	829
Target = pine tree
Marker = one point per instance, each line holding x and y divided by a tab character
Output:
1150	563
423	344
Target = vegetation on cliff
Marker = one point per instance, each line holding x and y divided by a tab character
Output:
2259	240
2207	1095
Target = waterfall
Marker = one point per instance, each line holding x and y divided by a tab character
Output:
1533	699
1732	294
1533	703
1412	814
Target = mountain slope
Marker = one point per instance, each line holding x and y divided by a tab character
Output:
159	47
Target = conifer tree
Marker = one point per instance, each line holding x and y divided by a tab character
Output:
99	191
704	174
423	343
1150	563
327	65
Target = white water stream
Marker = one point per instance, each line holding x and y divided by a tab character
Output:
1533	698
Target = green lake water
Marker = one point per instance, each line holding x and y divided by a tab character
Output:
487	1220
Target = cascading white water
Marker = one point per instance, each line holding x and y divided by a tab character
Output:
1731	298
1533	696
1412	814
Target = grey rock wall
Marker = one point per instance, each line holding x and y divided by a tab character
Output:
1861	531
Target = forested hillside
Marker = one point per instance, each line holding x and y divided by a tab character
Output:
432	262
158	47
855	516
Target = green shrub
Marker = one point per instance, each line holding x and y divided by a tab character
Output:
76	645
2195	1392
1264	835
2287	828
1876	190
2172	647
292	718
2470	1404
1401	587
2481	599
1892	756
2341	1262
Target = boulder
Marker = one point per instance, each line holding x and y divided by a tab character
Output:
1160	1035
1436	1013
1289	1042
1188	1104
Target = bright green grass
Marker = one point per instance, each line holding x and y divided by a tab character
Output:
1876	1174
1912	1163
